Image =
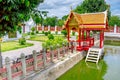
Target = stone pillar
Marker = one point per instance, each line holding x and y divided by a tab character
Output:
63	45
42	28
75	49
58	51
115	30
49	28
71	46
35	60
44	57
51	53
8	67
23	64
55	28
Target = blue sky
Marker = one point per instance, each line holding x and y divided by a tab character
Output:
62	7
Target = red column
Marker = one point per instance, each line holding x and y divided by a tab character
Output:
101	38
79	38
88	34
82	34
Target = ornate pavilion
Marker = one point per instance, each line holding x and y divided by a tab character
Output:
83	24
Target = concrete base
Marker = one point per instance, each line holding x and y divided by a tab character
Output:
58	69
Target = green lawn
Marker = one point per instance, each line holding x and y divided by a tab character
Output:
112	42
38	38
12	45
41	38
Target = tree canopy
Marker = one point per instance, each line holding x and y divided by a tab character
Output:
114	20
91	6
52	21
15	12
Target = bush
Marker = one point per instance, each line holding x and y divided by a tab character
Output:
56	32
33	29
42	32
50	36
22	41
46	33
32	33
49	32
54	42
64	32
73	33
37	32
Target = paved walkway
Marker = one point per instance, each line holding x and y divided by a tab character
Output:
16	53
112	34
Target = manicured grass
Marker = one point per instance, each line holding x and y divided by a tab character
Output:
12	45
38	38
42	38
112	42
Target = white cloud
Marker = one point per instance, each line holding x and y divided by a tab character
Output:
116	12
58	7
62	7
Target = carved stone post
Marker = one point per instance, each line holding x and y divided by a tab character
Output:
51	53
58	51
23	64
8	67
35	60
44	57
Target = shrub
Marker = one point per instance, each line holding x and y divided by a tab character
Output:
33	29
56	32
42	32
73	33
32	33
50	36
54	42
37	32
22	41
49	32
64	32
46	33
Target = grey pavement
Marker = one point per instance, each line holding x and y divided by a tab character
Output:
112	34
27	51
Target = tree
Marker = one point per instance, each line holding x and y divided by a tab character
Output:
38	16
60	22
14	12
64	17
91	6
52	21
64	32
114	20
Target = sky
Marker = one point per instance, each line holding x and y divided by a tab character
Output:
60	8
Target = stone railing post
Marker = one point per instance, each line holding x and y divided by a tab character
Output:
35	59
66	48
8	67
75	49
23	60
51	53
58	51
44	57
71	47
63	45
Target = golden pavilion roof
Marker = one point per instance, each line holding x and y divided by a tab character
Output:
88	20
